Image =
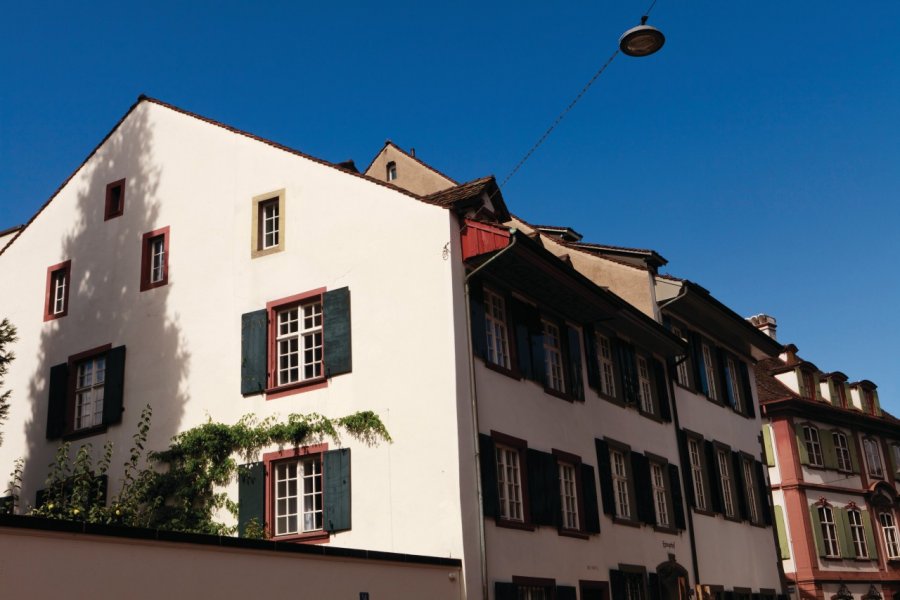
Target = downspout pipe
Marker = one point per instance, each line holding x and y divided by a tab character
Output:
473	395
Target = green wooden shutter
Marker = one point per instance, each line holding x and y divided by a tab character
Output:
543	488
58	387
604	470
677	497
536	337
747	402
574	377
829	455
114	387
662	391
251	495
845	537
640	469
780	528
518	312
590	350
505	591
817	528
254	350
767	445
589	496
336	332
801	444
870	534
714	477
628	372
487	461
854	456
476	318
565	592
336	489
740	491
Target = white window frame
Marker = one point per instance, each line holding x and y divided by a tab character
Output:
299	338
90	380
723	458
620	483
696	458
58	283
270	224
568	493
874	465
710	370
157	248
681	368
645	391
607	369
660	495
553	362
842	451
298	496
496	329
391	171
889	533
857	533
813	446
829	532
750	487
509	483
733	375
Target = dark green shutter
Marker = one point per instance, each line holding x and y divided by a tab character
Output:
336	489
56	406
617	584
628	372
653	588
854	456
574	378
714	476
746	390
590	351
662	391
336	334
677	497
251	495
536	338
726	396
696	345
640	469
589	494
505	591
780	529
476	316
686	467
816	525
566	592
487	461
114	387
518	312
763	492
604	468
543	488
254	350
740	491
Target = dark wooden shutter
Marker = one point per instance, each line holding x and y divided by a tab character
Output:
58	388
566	592
686	467
505	591
653	586
737	476
543	488
590	351
254	350
763	493
696	346
336	489
724	377
476	316
574	377
677	497
251	495
662	391
628	372
487	461
114	386
336	332
617	584
518	312
746	390
604	468
536	338
589	496
715	480
643	486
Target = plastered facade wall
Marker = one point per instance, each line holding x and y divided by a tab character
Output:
183	339
411	174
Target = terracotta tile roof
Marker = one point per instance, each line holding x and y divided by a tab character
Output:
768	386
466	191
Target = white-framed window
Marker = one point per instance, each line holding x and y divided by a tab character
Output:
568	493
270	223
634	586
895	450
298	495
889	532
813	446
509	483
391	171
660	497
842	450
89	385
157	259
829	533
495	325
734	383
607	372
709	368
750	487
694	452
58	285
620	484
553	357
644	390
873	458
722	457
681	368
298	343
857	533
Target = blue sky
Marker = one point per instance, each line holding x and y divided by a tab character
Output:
758	151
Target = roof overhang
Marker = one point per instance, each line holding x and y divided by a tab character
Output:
827	413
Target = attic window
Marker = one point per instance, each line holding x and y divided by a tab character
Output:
391	171
115	200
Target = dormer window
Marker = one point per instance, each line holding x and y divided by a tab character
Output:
391	171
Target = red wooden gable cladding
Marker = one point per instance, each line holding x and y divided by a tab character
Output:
481	238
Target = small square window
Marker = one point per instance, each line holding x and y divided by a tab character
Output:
115	200
268	231
56	297
155	259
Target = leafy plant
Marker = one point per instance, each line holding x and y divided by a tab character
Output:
7	338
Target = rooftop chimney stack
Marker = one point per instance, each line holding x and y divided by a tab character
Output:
764	323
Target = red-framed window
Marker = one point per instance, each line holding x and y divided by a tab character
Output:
155	259
114	206
56	297
295	500
296	342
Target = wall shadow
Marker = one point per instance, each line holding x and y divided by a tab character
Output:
106	306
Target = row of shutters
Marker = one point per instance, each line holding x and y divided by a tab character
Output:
844	535
826	443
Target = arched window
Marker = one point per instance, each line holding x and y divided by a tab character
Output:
873	458
857	533
829	533
391	171
813	447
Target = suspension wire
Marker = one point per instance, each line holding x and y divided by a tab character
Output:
571	105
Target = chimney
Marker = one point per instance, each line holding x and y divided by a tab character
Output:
764	323
412	152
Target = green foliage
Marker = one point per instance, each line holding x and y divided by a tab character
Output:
7	337
176	489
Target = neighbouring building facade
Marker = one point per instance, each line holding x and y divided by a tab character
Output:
566	421
833	456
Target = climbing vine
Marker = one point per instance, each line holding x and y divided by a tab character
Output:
179	488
